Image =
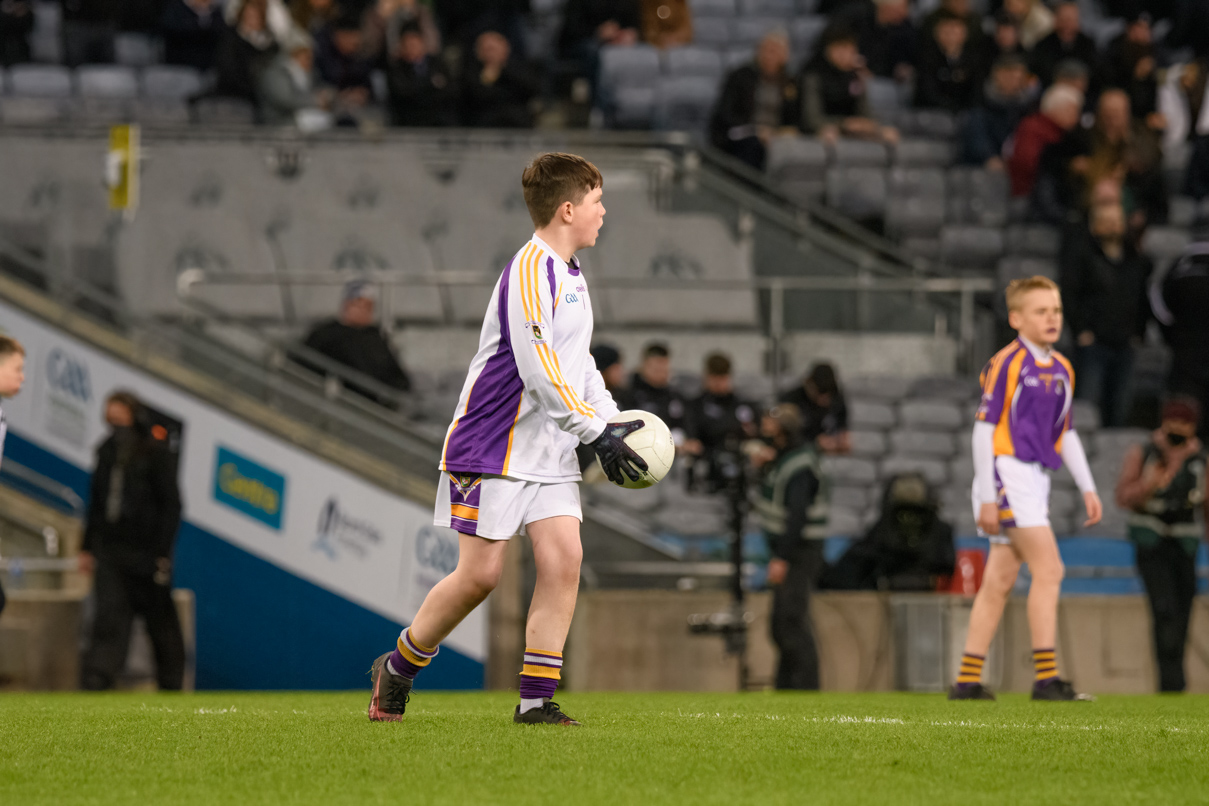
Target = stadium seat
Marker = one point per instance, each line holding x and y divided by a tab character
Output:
870	415
634	107
935	471
851	498
877	387
860	152
796	158
694	61
970	247
928	123
850	470
936	414
917	153
767	8
807	7
106	81
136	50
224	112
923	443
868	444
713	32
711	8
1086	416
916	203
170	81
804	32
737	56
977	196
750	30
944	387
637	65
1165	243
885	102
46	39
857	192
160	112
684	103
39	80
1040	240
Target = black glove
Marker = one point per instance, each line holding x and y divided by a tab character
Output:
617	457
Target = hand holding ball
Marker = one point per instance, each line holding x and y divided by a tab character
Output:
636	449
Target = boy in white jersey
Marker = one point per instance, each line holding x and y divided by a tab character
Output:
12	375
1023	432
508	465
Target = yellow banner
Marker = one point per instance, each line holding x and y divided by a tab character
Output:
122	168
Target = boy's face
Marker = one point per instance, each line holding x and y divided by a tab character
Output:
587	218
1038	317
12	374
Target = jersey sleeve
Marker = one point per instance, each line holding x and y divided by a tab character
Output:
994	389
531	334
597	395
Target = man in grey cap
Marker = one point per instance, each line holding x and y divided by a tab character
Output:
355	340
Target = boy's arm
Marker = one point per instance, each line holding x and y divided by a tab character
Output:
1075	460
531	333
983	443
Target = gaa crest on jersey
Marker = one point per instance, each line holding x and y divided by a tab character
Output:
535	329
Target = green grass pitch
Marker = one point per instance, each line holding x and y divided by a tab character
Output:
764	748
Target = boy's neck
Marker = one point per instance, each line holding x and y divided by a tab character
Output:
560	240
1038	349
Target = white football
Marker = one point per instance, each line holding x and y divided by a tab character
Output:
653	442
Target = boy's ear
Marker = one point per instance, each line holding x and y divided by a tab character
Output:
1014	320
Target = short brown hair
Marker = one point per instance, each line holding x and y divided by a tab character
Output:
717	364
554	178
10	346
1022	285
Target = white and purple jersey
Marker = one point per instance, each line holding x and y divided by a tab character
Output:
533	392
1028	400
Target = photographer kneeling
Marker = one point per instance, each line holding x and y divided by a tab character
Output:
793	514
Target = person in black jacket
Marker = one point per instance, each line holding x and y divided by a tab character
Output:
243	52
356	341
1129	63
1104	290
497	88
824	412
1066	42
757	100
420	90
650	390
832	90
191	30
987	127
16	23
134	511
1179	299
715	424
950	71
884	35
589	25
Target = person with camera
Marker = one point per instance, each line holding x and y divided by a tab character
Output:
134	511
1162	484
792	508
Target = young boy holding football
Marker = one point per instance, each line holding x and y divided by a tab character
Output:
508	465
1023	432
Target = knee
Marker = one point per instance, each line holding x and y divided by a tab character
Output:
1000	582
1049	573
482	579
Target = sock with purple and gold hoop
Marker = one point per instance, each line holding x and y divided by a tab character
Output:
539	677
409	656
970	673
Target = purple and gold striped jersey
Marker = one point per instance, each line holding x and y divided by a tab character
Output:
1028	400
533	392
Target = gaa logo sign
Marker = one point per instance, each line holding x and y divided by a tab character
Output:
437	550
68	377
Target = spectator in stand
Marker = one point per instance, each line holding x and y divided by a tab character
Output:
277	19
1129	63
589	25
1061	107
421	91
1074	74
1179	299
89	28
1186	111
313	16
286	86
1189	27
191	30
463	21
820	401
1162	485
607	359
715	424
243	51
666	23
343	62
960	9
650	390
988	126
833	93
1005	40
1104	291
497	89
355	339
885	36
383	23
16	22
1034	19
757	101
950	71
1066	42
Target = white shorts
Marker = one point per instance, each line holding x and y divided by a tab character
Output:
1023	492
497	508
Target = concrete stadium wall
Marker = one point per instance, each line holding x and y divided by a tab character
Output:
639	641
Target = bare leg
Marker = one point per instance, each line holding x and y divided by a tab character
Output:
480	562
997	580
1037	547
557	553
